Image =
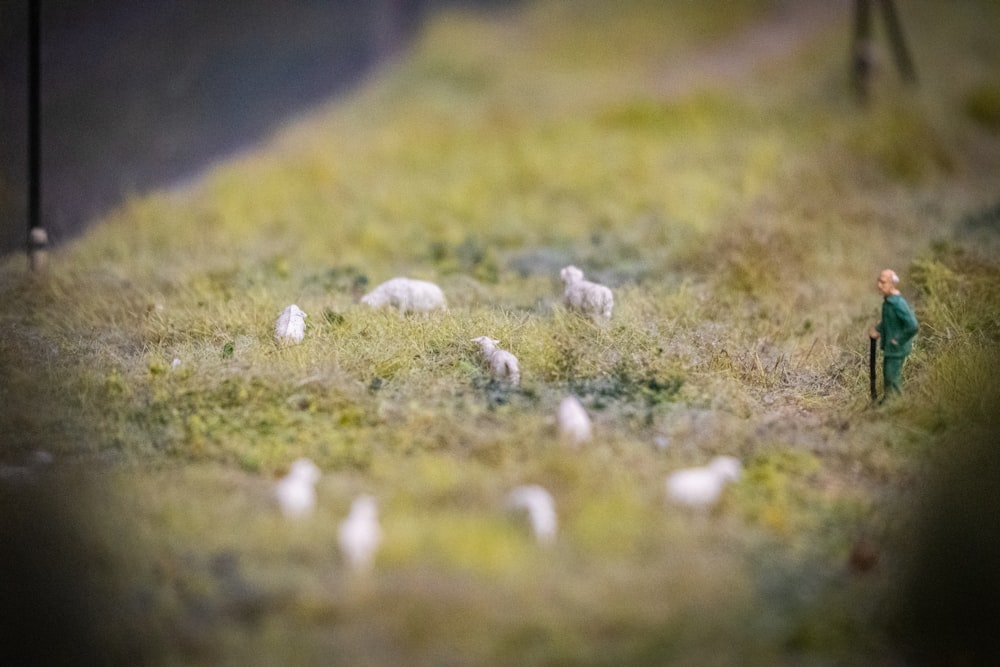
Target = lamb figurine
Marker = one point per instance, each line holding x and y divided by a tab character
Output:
700	488
295	492
502	363
587	297
541	510
360	534
290	328
406	295
572	421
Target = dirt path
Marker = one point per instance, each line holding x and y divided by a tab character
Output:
790	26
138	95
182	89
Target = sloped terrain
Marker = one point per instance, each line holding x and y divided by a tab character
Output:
740	217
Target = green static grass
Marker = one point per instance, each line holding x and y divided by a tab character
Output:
741	228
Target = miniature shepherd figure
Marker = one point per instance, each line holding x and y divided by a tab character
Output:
896	331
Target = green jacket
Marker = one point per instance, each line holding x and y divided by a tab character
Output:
899	324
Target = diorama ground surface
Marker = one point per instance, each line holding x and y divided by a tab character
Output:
716	171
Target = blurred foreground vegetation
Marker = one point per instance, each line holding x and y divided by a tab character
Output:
741	220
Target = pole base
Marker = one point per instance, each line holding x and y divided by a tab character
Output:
38	249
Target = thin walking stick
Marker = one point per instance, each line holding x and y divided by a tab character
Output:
872	345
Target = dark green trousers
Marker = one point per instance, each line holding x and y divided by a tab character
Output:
892	372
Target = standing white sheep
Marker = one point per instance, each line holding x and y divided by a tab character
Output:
587	297
701	487
541	510
501	363
290	328
360	534
295	492
572	421
406	295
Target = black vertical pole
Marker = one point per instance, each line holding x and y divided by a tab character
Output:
861	56
895	29
861	49
37	237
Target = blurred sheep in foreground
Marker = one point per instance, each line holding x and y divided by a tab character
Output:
406	295
572	421
541	510
360	534
701	487
502	364
587	297
290	328
295	492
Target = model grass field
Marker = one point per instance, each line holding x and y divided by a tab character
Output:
741	220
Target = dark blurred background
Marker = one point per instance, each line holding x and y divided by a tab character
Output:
140	94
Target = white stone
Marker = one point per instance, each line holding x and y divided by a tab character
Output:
290	328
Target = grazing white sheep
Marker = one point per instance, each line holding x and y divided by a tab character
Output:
296	492
701	487
502	363
587	297
290	328
406	295
572	421
360	534
541	510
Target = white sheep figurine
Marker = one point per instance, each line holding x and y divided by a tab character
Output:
572	421
587	297
502	364
295	492
701	487
406	295
290	328
359	535
541	510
